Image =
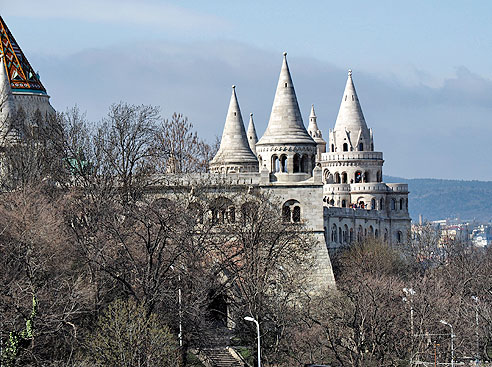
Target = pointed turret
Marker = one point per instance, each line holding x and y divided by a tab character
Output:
350	126
252	137
285	125
234	154
316	134
27	89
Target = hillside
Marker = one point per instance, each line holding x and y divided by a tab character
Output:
440	199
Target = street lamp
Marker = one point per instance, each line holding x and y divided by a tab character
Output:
477	357
410	293
247	318
452	342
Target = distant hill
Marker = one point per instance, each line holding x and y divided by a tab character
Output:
441	199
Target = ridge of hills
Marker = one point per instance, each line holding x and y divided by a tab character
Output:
440	199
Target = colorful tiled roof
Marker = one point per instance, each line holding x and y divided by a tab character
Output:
21	74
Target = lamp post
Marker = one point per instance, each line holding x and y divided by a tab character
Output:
247	318
180	309
410	293
477	357
452	341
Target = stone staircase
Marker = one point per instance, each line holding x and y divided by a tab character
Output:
220	357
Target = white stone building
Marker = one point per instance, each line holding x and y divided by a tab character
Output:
338	194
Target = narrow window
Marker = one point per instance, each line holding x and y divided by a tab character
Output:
333	147
285	85
344	204
283	161
345	147
296	214
361	147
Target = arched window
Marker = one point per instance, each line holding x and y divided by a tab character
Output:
340	235
351	235
333	147
291	211
344	204
358	177
334	233
345	147
381	204
376	233
260	161
283	163
373	203
337	178
366	176
371	231
361	147
344	177
345	233
379	178
275	164
393	204
362	205
296	163
385	234
406	204
401	204
399	237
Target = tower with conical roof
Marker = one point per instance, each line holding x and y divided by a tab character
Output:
316	134
234	154
286	149
358	203
351	145
27	90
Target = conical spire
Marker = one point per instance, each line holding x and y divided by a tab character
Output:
313	125
285	125
234	149
252	137
350	116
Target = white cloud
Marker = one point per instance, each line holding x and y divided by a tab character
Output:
145	12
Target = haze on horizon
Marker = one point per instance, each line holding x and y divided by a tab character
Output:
422	69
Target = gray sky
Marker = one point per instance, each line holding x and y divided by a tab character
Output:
422	69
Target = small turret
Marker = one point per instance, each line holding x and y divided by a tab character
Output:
234	154
252	137
316	134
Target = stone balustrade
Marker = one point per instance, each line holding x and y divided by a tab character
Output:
350	156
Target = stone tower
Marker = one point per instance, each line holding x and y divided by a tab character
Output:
286	149
234	153
358	203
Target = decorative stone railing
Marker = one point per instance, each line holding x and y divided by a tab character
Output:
349	156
